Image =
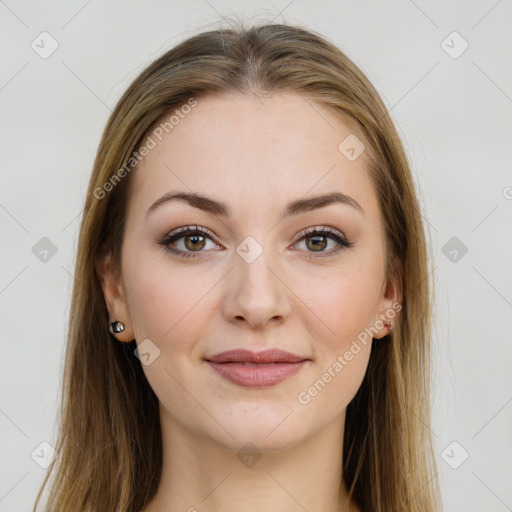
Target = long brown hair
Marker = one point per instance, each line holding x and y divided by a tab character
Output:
109	446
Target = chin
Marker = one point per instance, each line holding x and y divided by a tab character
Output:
270	427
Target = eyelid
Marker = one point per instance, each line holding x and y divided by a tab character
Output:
325	231
321	231
184	231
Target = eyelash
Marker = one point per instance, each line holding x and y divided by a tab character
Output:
314	232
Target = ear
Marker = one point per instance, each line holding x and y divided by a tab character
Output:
115	298
389	307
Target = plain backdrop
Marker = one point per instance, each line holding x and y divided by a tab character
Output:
443	68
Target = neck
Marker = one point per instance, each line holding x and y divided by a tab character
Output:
201	476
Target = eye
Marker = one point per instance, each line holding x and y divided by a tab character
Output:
187	240
316	240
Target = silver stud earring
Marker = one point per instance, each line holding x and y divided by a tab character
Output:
388	325
116	327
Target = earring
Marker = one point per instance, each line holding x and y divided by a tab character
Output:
116	327
388	325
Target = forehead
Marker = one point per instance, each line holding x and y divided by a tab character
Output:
249	150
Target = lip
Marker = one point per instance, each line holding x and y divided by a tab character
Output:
241	366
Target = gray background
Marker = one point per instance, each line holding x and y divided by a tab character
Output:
451	108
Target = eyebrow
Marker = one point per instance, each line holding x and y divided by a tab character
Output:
295	207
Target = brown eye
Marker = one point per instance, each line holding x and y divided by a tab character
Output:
316	243
189	242
194	242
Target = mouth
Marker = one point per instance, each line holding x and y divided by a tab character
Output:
256	369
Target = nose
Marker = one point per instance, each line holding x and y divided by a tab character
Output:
256	292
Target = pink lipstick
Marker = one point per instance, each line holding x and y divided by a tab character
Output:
256	369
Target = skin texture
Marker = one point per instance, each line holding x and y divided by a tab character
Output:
255	154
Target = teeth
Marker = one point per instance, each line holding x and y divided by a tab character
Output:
258	364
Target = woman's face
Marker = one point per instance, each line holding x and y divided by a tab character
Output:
257	277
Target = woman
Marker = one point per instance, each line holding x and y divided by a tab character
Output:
250	321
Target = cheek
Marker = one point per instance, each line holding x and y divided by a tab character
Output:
342	302
171	307
342	346
336	384
164	299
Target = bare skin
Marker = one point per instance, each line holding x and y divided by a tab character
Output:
255	155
